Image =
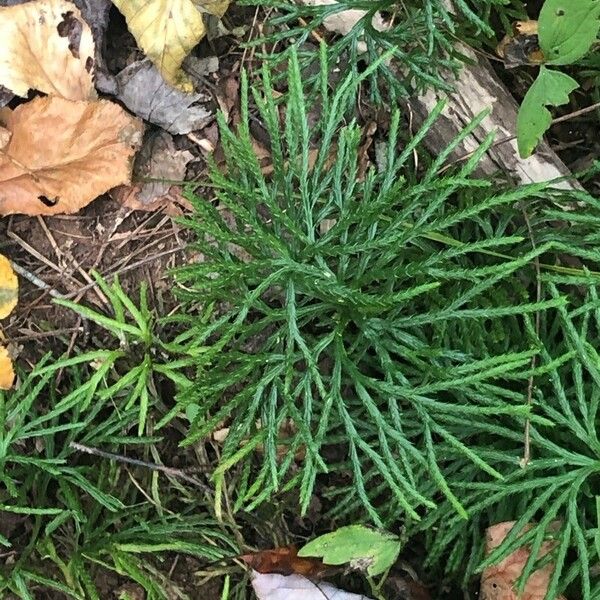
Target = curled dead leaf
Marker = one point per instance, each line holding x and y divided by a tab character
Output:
46	46
64	154
158	160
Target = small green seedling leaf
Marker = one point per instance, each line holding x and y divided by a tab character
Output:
567	29
551	88
362	547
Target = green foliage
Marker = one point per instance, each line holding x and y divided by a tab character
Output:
551	88
141	353
386	322
567	31
420	39
368	549
66	516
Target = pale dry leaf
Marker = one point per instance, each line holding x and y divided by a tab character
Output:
146	94
498	582
9	287
158	159
7	373
9	293
271	586
167	30
63	154
344	21
46	46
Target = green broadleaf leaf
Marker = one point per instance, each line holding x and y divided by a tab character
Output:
355	544
551	88
567	29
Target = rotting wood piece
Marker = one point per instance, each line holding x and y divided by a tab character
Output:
478	88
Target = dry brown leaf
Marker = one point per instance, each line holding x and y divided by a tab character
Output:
64	154
498	582
46	46
285	561
172	202
287	429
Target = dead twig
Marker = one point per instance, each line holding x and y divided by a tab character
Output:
170	471
527	440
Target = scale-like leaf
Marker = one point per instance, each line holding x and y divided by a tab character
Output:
551	88
567	29
360	546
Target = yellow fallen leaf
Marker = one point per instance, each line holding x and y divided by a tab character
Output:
7	374
9	288
47	46
63	154
167	30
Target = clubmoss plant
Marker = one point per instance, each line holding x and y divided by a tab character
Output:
390	319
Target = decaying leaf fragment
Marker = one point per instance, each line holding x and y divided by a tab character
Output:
146	94
158	159
7	373
285	561
522	47
167	30
61	154
9	290
498	582
296	587
47	46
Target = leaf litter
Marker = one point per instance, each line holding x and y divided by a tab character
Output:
61	155
33	186
158	159
145	93
167	31
46	46
9	293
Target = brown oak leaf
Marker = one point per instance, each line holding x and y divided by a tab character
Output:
61	154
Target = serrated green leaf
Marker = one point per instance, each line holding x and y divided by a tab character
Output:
376	550
551	88
567	29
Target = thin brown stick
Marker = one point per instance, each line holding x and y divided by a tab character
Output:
527	434
171	471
